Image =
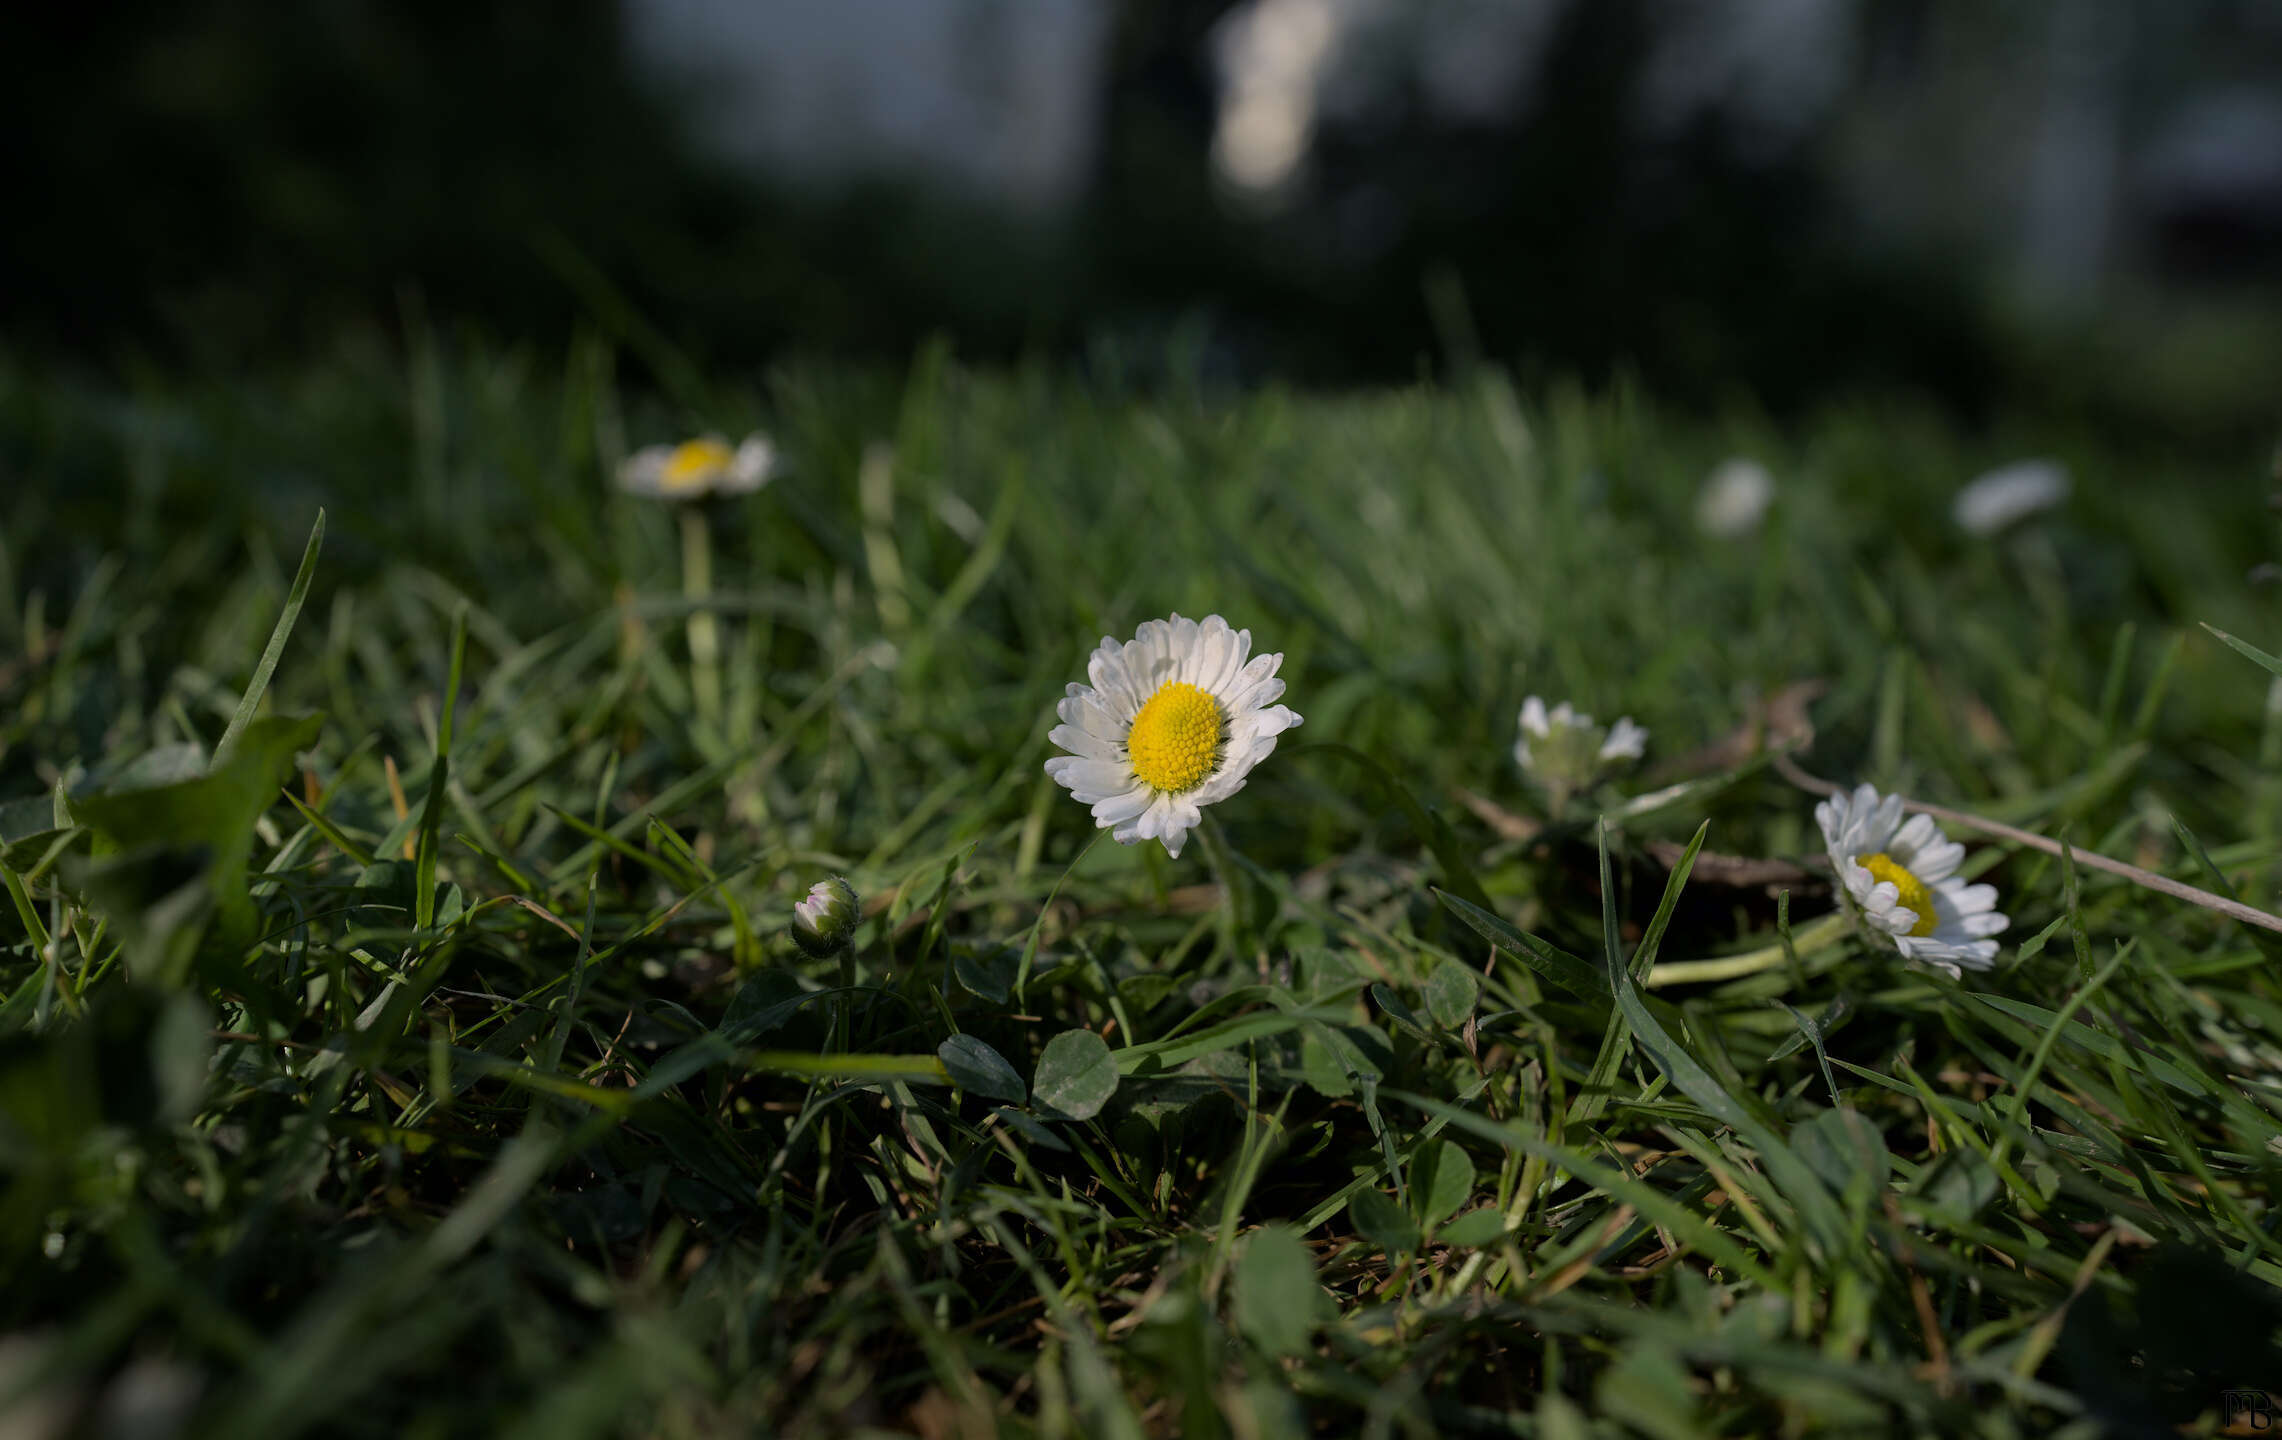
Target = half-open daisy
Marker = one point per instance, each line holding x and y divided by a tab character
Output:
1563	738
698	468
1565	752
1902	877
1174	720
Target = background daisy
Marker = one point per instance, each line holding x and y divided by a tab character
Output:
700	468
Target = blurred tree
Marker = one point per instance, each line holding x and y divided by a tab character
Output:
235	181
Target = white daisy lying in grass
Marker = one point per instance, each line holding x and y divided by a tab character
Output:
1174	720
1902	876
699	468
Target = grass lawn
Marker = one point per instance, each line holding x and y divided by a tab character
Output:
405	1037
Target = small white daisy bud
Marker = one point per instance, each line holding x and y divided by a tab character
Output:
825	922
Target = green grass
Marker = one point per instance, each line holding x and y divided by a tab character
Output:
472	1084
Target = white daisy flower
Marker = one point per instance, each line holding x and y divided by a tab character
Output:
2008	493
696	469
1734	498
1174	720
1902	876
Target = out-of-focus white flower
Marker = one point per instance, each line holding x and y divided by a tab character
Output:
42	1403
698	468
152	1397
2008	493
1902	876
1734	498
1174	721
1564	751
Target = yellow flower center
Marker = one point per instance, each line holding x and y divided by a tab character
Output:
1915	897
693	463
1176	739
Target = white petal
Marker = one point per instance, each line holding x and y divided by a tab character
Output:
1089	714
1830	815
1859	882
1266	692
1091	780
644	471
1626	741
1275	720
1969	899
753	466
1119	808
1081	742
1148	658
1255	685
1884	820
1153	820
1916	833
1112	679
1240	654
1207	664
1937	862
1973	955
1533	721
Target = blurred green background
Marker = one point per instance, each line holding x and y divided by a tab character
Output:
2066	211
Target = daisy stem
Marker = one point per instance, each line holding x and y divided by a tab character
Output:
922	1069
847	1015
1223	862
704	628
1820	935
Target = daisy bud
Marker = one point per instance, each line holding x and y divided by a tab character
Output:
825	922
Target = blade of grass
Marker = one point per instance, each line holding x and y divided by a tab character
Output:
267	665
